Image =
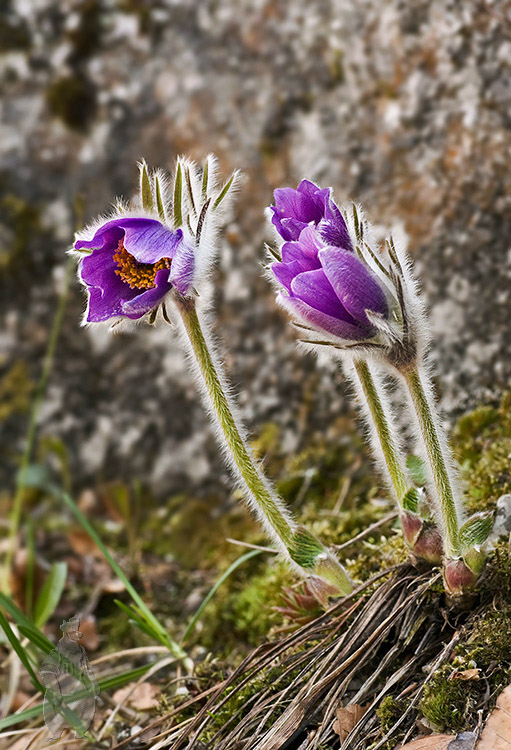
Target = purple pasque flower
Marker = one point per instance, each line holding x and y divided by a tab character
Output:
134	263
329	287
296	209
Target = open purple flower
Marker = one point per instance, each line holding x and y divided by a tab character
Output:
296	209
134	263
329	287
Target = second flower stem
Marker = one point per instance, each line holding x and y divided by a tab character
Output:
385	438
438	461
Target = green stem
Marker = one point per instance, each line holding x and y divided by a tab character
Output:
387	443
251	475
301	546
437	460
42	384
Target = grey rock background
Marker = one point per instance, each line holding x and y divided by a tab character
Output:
404	106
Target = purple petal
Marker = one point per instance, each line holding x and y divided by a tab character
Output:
148	300
354	284
298	204
286	272
182	268
98	267
306	248
294	209
335	232
313	288
107	291
340	328
107	301
148	240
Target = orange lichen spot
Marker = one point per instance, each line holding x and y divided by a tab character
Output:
137	275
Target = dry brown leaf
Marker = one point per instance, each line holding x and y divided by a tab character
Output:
466	674
346	718
82	544
89	631
431	742
19	700
496	734
143	697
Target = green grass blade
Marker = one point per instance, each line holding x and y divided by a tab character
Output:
29	583
107	683
17	507
20	651
50	593
27	715
140	623
195	618
26	626
148	616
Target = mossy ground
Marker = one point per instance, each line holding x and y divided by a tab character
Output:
333	489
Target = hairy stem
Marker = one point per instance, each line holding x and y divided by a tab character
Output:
294	540
388	445
438	461
252	477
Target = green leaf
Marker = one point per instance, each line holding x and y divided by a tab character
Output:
141	624
210	595
26	626
178	197
27	715
20	651
50	593
144	610
107	683
476	530
145	188
304	548
410	500
418	471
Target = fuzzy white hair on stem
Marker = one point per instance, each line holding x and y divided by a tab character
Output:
228	391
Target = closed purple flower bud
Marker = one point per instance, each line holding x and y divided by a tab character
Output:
329	287
134	263
294	210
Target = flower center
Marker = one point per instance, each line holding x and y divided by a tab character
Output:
137	275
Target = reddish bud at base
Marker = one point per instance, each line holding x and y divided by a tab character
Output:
423	538
412	527
458	577
429	545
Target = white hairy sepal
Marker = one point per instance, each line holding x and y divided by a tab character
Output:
391	264
200	211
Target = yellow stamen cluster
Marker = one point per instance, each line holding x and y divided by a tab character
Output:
137	275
